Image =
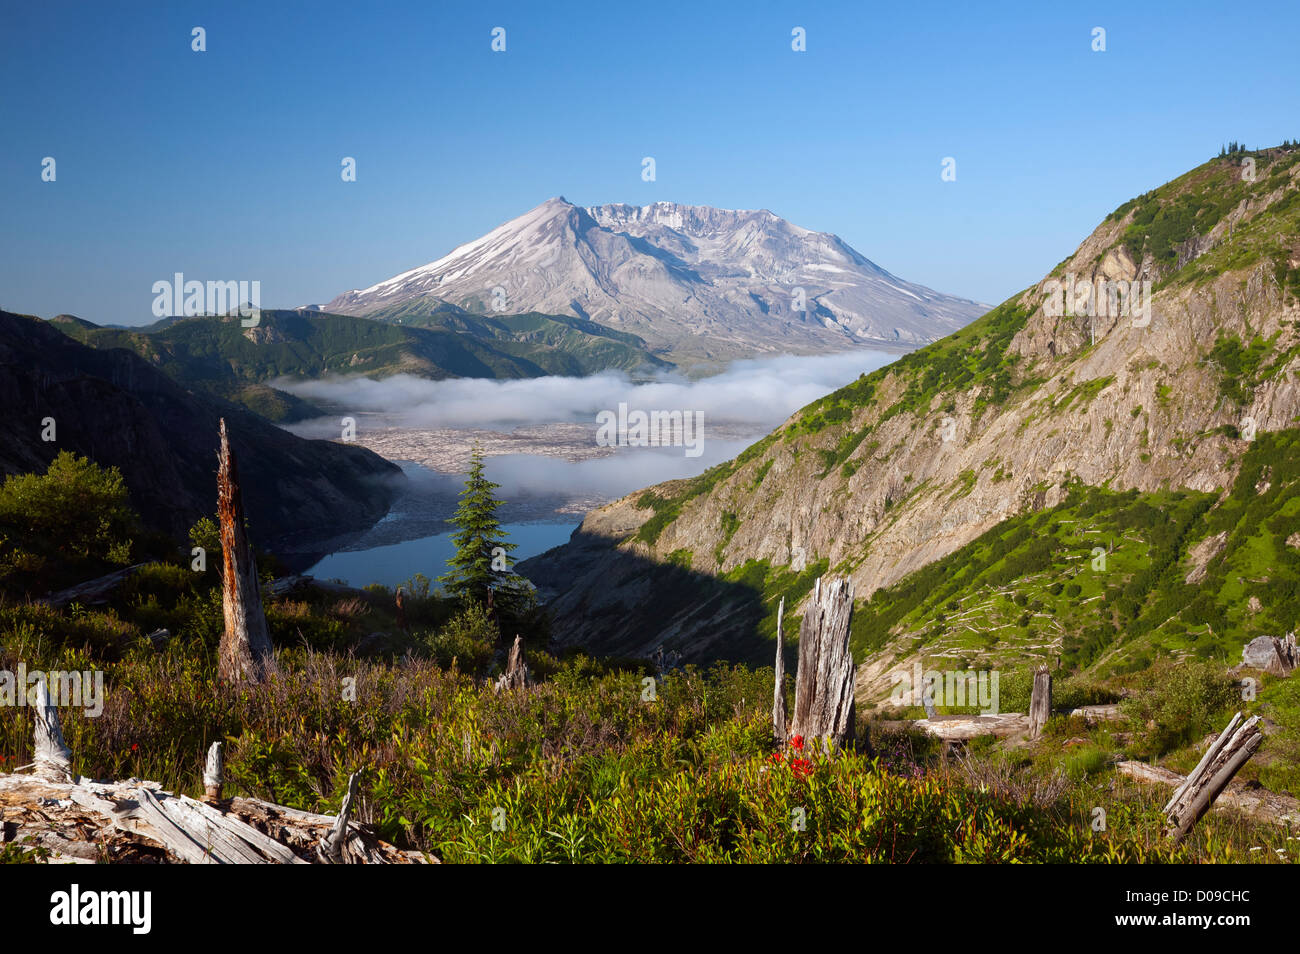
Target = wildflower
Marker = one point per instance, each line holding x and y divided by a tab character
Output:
134	746
796	742
801	768
776	757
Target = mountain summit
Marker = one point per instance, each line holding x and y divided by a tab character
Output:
697	282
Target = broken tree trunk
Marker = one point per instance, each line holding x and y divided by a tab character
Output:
245	654
1221	762
516	674
214	773
1040	702
823	694
331	845
778	692
53	757
401	610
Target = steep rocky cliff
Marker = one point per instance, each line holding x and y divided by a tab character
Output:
909	464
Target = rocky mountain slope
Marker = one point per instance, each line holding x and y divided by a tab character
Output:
910	464
702	284
221	356
119	410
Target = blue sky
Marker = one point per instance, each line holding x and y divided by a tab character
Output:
225	164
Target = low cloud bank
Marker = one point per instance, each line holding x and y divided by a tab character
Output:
761	392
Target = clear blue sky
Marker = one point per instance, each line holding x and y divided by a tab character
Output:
225	164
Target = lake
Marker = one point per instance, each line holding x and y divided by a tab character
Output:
396	563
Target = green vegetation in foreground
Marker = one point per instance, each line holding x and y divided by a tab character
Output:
584	767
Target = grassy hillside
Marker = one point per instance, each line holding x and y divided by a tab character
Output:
1101	580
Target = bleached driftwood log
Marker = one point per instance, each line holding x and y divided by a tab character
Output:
778	692
214	773
516	674
1222	760
823	695
53	757
1040	702
1256	803
135	821
245	654
86	821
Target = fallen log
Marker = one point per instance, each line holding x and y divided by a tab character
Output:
92	591
1222	760
137	821
1257	803
78	820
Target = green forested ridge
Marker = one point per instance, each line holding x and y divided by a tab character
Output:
223	357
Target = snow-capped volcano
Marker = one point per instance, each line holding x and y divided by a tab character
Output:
697	282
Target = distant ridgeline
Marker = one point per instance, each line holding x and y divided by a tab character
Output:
120	410
224	358
1059	478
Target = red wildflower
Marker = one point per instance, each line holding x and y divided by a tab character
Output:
801	768
134	746
796	742
776	757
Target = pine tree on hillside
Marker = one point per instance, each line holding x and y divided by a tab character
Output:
481	562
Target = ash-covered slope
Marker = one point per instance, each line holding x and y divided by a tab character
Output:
699	283
912	462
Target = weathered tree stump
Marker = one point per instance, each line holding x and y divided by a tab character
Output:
331	846
245	654
53	757
214	773
1040	702
823	696
1222	760
516	674
778	692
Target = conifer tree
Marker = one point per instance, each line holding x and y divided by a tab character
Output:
480	562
